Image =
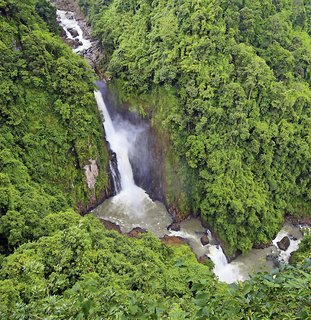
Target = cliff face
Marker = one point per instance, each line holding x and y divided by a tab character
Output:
156	167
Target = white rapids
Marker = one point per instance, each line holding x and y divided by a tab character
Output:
67	22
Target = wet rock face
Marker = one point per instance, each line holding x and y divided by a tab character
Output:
284	243
74	43
73	32
204	259
66	5
111	225
204	240
274	257
115	179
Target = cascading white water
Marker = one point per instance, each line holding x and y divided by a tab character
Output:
131	206
192	230
68	22
226	272
119	143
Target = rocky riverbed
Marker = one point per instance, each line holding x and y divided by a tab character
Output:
93	53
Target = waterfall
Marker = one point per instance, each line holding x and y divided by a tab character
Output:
132	206
136	202
121	136
226	272
119	144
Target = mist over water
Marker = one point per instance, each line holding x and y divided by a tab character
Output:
131	206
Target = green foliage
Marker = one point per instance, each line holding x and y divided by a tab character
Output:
49	123
79	270
240	121
283	294
68	267
304	252
87	272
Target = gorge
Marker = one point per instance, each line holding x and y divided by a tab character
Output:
132	207
206	106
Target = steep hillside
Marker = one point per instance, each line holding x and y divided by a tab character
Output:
229	81
49	124
65	266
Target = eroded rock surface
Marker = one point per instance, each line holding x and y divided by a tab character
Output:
204	240
91	173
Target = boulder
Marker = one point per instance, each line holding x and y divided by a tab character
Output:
173	240
204	260
73	32
205	240
136	232
111	225
174	226
69	15
284	243
78	43
71	42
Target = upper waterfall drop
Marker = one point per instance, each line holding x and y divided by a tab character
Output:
118	144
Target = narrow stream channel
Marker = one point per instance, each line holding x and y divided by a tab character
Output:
132	206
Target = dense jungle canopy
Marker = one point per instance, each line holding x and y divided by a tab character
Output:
237	75
230	83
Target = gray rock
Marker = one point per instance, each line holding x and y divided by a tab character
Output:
71	42
174	227
69	15
78	42
91	173
274	257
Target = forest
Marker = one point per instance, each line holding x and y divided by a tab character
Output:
239	119
229	83
49	124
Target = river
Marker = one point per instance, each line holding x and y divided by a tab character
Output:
132	207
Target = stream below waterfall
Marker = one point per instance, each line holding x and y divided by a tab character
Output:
132	207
